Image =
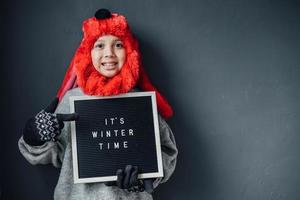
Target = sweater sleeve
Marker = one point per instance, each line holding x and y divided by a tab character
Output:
169	151
50	152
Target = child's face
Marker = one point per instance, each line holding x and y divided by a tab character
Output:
108	55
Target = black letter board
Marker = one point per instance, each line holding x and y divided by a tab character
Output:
113	132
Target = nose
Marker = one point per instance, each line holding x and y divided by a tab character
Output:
109	52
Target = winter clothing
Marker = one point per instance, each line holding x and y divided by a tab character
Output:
128	179
83	79
60	155
82	73
46	126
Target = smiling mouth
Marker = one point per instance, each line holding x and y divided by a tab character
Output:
109	65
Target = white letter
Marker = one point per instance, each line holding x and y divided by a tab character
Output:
116	145
112	121
116	133
100	144
95	134
122	120
108	134
130	132
125	144
122	132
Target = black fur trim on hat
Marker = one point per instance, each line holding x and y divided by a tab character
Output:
102	14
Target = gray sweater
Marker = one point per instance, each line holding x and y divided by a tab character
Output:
60	155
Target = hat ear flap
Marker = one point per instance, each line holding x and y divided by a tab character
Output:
69	81
163	106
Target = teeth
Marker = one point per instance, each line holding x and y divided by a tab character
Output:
108	64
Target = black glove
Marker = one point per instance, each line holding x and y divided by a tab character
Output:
46	126
128	179
148	185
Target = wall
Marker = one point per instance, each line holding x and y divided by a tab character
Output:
230	69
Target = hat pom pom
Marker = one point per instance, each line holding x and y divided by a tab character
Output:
102	14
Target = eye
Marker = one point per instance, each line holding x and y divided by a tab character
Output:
99	45
119	45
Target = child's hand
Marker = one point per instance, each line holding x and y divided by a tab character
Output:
148	185
46	126
128	179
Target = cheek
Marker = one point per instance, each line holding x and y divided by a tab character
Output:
122	56
95	58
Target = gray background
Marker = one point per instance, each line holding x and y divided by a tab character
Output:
230	69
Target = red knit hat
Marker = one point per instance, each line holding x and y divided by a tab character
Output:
82	73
